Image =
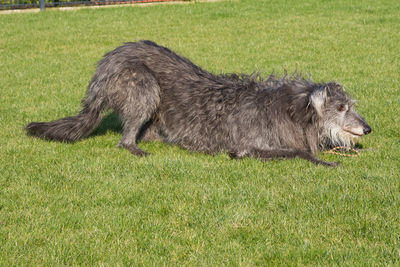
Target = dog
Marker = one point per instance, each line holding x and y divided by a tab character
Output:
159	94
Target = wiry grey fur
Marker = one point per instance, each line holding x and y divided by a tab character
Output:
161	95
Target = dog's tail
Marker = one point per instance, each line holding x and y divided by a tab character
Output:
70	129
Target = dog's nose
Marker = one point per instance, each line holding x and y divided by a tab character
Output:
367	129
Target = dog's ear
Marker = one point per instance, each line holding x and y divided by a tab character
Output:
335	85
318	99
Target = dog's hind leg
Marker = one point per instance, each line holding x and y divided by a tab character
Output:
135	98
283	153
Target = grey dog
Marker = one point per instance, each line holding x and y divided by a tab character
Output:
161	95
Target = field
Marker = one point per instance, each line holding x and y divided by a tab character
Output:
91	203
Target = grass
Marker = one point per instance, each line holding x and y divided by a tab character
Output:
94	204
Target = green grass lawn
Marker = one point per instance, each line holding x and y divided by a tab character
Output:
92	203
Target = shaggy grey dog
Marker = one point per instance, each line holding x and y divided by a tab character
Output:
161	95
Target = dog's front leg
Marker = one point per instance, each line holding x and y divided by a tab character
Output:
281	154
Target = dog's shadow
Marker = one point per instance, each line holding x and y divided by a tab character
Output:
358	146
110	122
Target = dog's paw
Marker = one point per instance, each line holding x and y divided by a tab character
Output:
330	164
134	150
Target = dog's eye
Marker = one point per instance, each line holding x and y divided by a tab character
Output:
341	108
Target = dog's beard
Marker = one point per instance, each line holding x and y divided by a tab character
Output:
334	136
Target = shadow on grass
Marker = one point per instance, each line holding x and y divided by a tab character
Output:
110	122
358	146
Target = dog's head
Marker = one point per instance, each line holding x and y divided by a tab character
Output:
340	123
